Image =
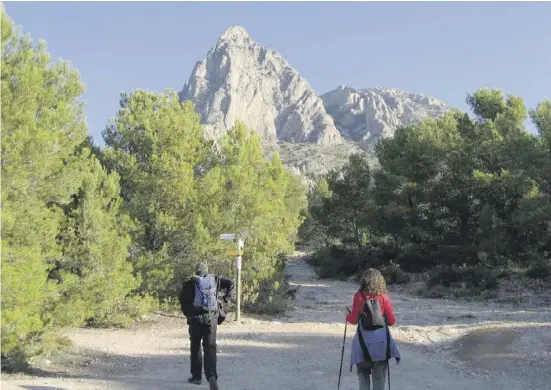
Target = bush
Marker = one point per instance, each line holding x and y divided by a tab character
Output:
271	299
415	262
437	292
385	255
341	263
539	271
454	254
476	279
267	295
130	309
335	262
375	258
394	275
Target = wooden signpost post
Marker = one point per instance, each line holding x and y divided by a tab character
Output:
237	253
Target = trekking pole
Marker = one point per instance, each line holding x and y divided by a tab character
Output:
388	372
342	353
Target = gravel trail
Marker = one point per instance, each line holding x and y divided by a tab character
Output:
445	345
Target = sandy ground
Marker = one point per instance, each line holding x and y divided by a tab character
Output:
445	345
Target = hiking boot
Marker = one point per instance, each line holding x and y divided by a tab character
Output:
213	384
194	380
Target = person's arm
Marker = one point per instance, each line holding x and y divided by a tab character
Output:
388	312
186	297
357	306
228	286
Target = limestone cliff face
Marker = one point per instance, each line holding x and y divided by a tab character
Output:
366	114
240	79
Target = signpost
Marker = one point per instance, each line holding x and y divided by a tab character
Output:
237	253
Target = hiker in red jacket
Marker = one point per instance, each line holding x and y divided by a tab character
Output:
375	364
373	286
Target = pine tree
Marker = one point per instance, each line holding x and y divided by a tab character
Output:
42	125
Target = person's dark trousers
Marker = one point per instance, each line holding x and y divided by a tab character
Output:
205	332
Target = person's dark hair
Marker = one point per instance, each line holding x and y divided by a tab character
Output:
201	269
373	282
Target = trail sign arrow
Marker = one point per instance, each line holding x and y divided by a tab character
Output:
227	236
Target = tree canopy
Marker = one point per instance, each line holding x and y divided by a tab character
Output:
455	190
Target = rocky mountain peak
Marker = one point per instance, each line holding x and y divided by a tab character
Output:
240	79
235	35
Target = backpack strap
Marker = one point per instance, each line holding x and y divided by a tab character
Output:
360	336
217	291
362	343
388	352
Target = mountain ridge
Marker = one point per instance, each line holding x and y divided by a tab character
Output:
241	79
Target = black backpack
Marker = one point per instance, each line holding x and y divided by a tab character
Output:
372	316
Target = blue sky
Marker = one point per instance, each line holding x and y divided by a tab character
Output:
445	50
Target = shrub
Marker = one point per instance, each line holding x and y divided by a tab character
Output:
539	271
454	254
436	292
335	262
130	309
477	278
394	275
373	258
267	296
415	262
271	299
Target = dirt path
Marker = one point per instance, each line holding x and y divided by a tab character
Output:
444	345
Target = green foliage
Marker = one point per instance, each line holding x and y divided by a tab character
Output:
95	274
65	240
394	274
313	229
183	192
415	261
156	145
270	295
334	262
475	279
246	193
342	262
450	191
42	125
540	270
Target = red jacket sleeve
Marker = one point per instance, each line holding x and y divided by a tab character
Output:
357	307
387	310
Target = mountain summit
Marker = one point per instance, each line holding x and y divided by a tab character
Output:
236	34
240	79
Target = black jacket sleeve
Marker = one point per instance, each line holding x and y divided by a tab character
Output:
228	286
186	297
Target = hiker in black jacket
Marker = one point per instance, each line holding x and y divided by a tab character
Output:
199	302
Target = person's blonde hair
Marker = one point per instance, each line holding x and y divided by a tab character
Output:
373	282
